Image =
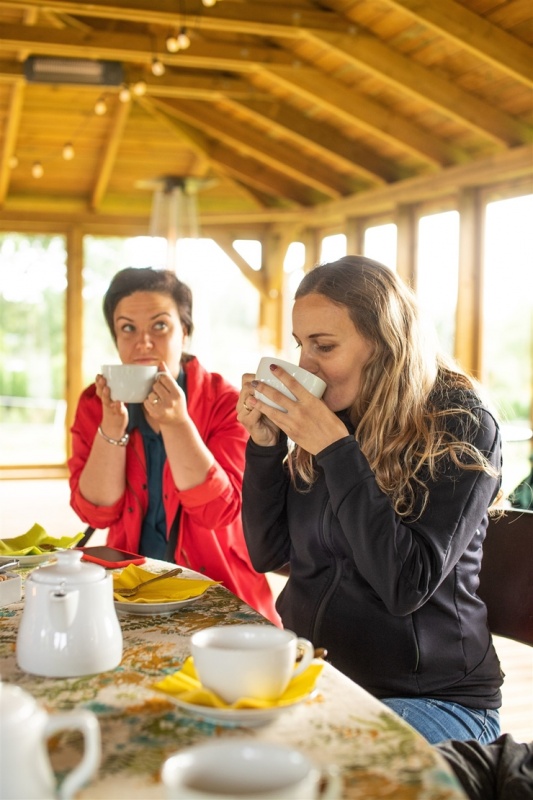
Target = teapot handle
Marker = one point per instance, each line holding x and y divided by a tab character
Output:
87	724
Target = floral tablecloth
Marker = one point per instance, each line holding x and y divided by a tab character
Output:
379	756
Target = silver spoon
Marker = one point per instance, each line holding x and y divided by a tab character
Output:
134	589
6	564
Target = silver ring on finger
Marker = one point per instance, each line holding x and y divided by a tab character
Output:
155	400
247	408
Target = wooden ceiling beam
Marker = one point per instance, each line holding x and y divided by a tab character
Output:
258	176
357	109
258	146
174	83
474	33
13	116
259	19
138	47
109	154
366	52
327	140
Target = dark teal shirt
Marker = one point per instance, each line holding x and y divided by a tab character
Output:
153	542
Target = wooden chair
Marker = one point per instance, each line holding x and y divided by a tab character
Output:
506	577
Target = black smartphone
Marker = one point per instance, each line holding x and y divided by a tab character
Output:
110	557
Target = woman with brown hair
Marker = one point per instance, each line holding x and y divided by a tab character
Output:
377	497
165	476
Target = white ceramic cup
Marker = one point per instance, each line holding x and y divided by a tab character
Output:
311	382
25	768
256	661
247	770
129	383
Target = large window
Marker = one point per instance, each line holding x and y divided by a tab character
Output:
225	304
438	273
508	326
32	349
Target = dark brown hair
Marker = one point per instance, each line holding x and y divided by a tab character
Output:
147	279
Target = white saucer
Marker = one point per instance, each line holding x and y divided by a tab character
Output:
236	717
29	561
152	609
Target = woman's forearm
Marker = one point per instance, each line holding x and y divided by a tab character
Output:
103	479
189	458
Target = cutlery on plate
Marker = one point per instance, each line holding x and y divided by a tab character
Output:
7	564
134	589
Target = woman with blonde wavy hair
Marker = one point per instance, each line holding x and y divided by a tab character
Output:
377	498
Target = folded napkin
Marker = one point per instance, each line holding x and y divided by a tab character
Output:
185	686
165	590
35	542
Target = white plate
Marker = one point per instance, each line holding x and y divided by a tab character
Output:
151	609
29	561
241	717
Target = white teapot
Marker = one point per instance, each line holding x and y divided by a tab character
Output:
69	624
25	769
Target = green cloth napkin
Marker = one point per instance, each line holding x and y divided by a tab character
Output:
35	542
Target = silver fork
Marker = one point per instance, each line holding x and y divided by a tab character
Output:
134	589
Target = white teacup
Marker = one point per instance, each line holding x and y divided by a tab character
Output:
25	768
247	770
256	661
129	383
311	382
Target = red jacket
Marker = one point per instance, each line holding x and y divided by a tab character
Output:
211	538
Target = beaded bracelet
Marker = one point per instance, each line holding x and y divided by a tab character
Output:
119	442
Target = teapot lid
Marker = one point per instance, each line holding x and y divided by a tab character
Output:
70	569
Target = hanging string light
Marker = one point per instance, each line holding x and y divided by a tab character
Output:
37	170
172	43
124	94
209	3
68	151
183	38
13	161
139	88
100	107
158	68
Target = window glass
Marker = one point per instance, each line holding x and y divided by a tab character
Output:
508	327
333	247
225	304
33	282
438	273
380	244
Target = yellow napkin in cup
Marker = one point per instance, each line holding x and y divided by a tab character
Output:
165	590
185	685
35	542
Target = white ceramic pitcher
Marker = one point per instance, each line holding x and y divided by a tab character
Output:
25	769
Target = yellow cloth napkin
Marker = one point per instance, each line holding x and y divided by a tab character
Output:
165	590
185	685
35	542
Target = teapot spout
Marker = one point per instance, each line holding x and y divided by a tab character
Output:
63	608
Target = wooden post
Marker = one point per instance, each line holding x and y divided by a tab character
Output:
469	316
74	326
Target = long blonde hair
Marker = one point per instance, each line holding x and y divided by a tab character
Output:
405	397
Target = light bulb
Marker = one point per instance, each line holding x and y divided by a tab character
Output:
124	94
139	88
183	39
13	162
172	43
100	107
68	151
37	169
208	3
158	68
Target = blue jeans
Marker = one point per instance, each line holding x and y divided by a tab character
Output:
437	720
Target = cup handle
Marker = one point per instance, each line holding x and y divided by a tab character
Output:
331	784
87	724
305	647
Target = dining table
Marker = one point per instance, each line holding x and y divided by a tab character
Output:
340	725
